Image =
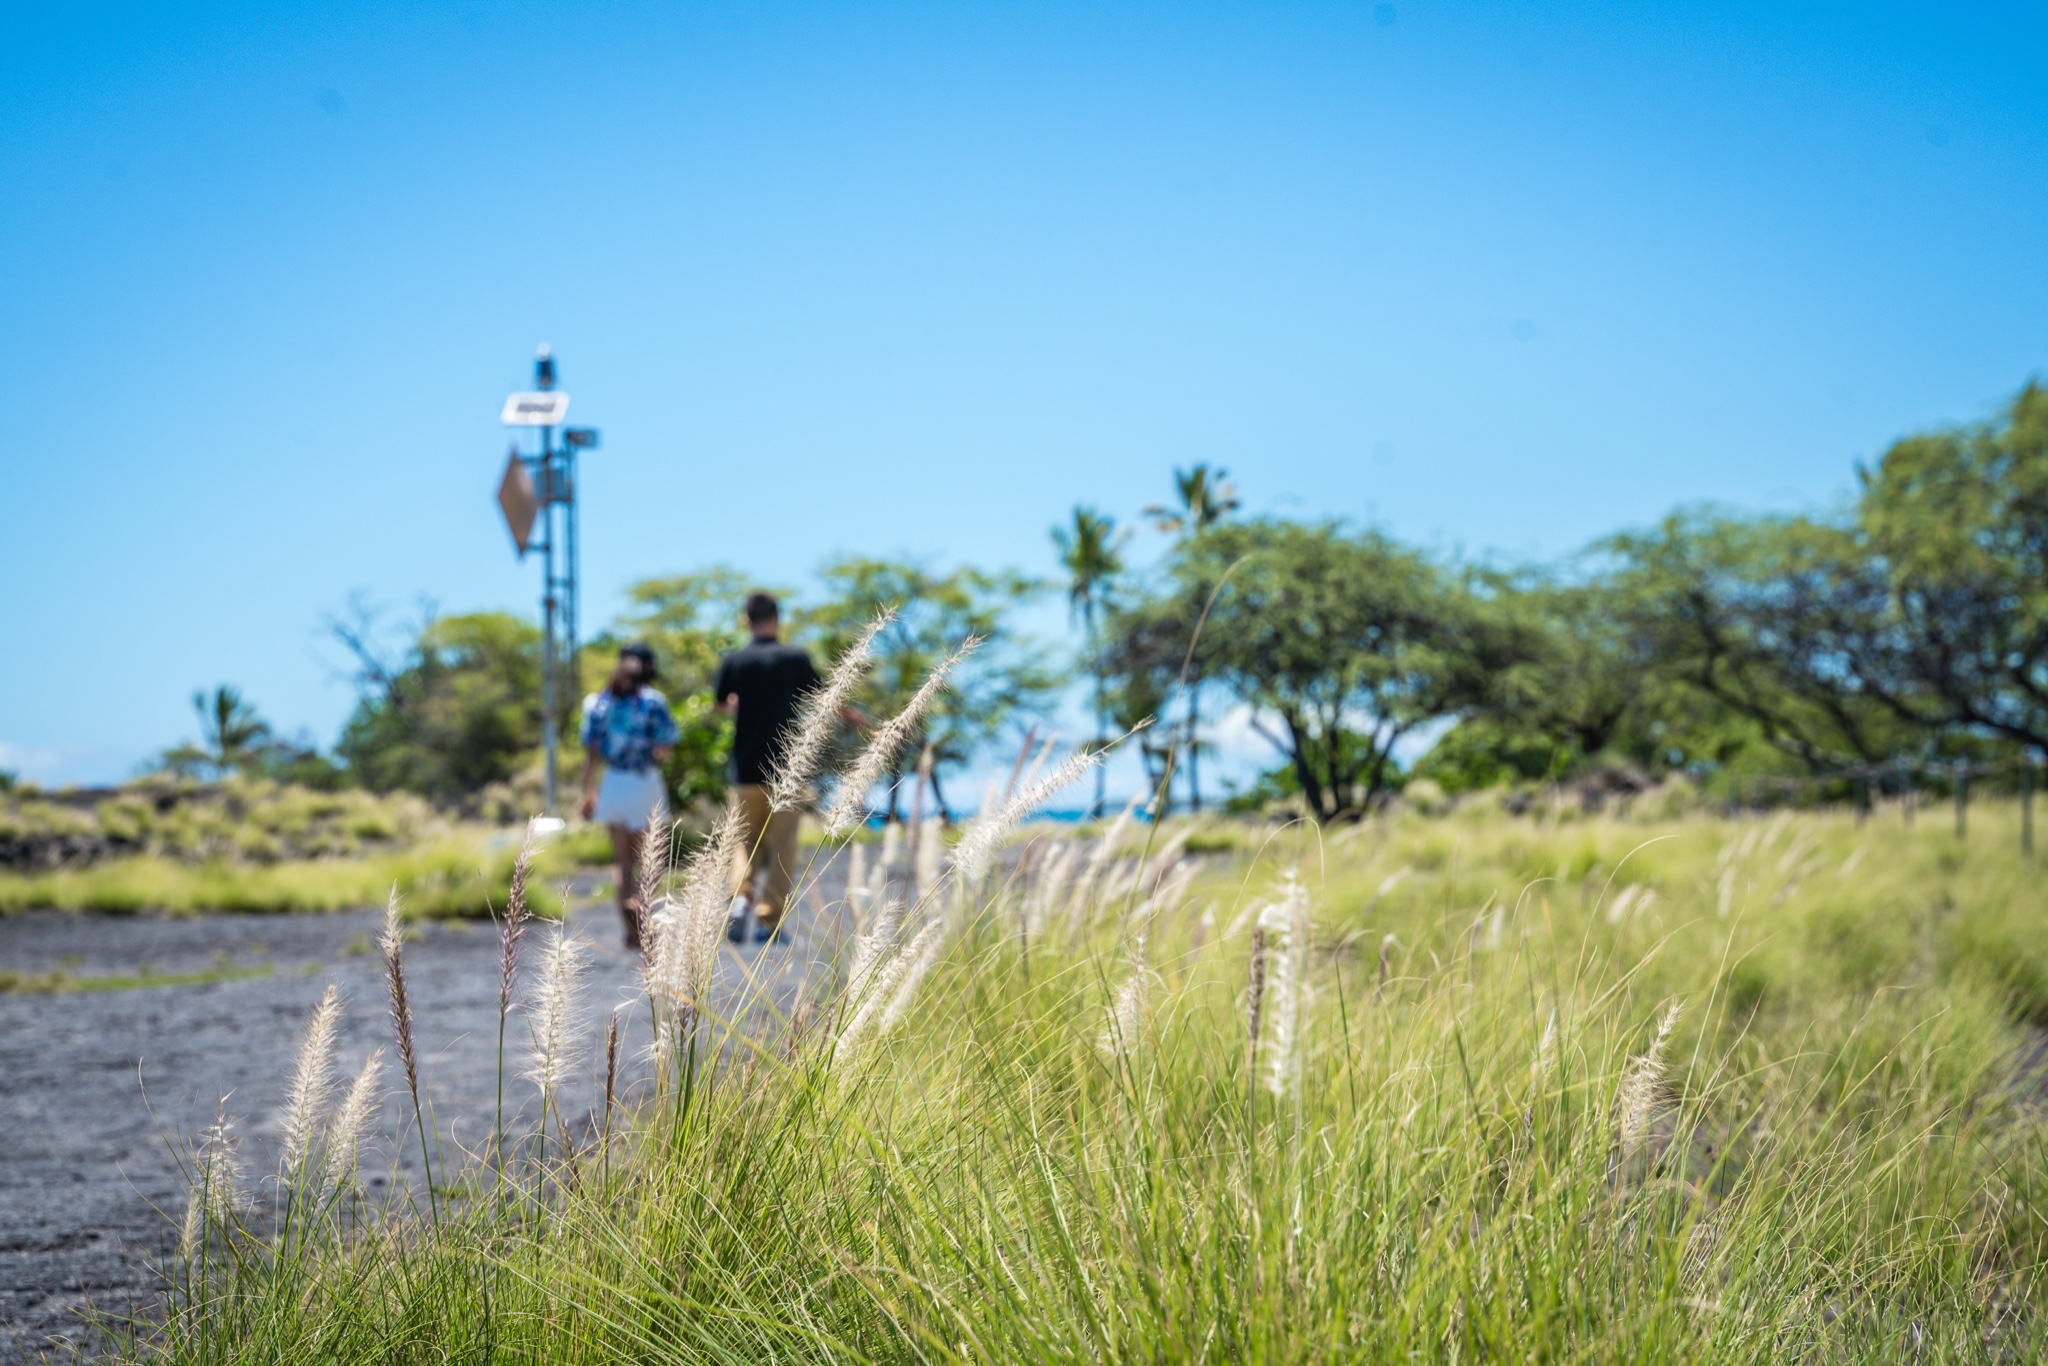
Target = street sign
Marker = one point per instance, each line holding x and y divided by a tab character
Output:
517	499
584	438
542	409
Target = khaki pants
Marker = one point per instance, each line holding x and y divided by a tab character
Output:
765	867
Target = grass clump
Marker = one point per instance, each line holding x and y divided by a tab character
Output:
454	875
1471	1088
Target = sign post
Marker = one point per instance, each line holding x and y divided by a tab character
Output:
532	489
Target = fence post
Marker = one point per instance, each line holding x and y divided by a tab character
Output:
1862	801
1962	800
2027	806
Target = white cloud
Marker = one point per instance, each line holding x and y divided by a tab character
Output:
68	765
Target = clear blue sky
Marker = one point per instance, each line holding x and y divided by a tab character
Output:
1496	278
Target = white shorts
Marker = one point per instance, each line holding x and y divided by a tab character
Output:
633	800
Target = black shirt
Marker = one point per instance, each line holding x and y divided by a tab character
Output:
770	679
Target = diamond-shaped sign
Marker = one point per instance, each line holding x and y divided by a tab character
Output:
516	497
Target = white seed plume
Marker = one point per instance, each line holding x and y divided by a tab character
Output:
345	1134
195	1224
818	718
217	1195
986	833
882	985
1634	897
1048	884
873	945
306	1092
1088	890
1544	1048
556	997
1123	1032
1494	918
857	878
1639	1083
892	849
1285	923
930	855
878	760
921	956
687	925
224	1175
1390	882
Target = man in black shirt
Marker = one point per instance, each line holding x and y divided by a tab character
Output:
761	686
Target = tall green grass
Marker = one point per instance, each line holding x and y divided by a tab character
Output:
1839	1158
454	875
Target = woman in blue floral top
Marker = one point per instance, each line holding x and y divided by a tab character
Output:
627	728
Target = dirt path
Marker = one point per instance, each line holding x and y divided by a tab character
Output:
95	1086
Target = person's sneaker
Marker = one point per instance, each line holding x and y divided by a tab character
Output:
778	935
736	921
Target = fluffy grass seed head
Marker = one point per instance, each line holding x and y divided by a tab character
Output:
878	759
216	1194
921	956
882	997
514	928
1123	1033
1285	923
986	833
929	856
818	718
345	1134
306	1091
1639	1082
393	944
556	997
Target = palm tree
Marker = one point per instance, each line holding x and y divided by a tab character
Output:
1206	497
229	727
1090	553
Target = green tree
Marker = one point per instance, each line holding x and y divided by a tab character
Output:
235	739
230	730
458	709
1783	625
1204	497
1341	643
1000	684
1091	551
1957	522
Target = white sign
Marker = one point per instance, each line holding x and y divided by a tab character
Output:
535	410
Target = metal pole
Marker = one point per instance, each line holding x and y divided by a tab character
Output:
547	616
1962	800
572	665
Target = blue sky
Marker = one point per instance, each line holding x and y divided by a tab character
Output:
917	278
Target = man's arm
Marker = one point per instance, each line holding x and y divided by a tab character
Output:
724	700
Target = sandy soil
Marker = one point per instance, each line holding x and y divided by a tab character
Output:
100	1091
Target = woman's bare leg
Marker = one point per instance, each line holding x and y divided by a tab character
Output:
626	848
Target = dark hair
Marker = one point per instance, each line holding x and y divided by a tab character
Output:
643	652
761	609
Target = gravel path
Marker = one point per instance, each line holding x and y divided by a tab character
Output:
97	1088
